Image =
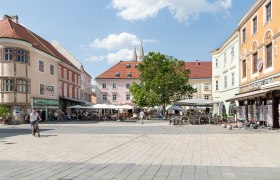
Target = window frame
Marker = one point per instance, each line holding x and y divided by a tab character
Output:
254	24
43	66
217	85
42	91
9	54
104	85
51	65
114	97
244	69
266	55
126	97
225	82
104	97
127	85
244	35
114	85
255	63
9	85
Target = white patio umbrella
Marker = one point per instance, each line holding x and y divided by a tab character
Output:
173	107
78	107
196	102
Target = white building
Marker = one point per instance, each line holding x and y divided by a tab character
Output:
225	76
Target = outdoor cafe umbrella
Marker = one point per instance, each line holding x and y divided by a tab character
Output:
173	107
196	102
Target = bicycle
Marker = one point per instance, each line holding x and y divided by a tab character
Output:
35	128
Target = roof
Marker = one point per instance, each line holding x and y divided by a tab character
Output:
199	69
121	68
12	30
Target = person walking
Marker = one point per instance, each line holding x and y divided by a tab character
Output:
142	116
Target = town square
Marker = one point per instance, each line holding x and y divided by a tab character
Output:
143	89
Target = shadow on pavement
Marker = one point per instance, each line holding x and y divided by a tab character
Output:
9	132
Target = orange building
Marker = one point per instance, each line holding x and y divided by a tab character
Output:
259	93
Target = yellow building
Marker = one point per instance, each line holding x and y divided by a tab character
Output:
259	32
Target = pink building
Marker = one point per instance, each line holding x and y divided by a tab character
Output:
112	86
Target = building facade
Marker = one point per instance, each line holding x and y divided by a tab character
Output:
259	93
200	78
80	80
28	71
225	77
112	86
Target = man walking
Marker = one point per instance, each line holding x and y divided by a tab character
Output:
142	116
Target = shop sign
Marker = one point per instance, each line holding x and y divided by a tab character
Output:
46	102
258	84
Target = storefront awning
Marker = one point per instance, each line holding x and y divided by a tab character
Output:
249	95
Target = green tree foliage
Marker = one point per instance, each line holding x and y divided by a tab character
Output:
4	112
163	79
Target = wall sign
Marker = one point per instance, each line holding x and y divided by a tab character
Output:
258	84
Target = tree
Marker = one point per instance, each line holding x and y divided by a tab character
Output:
4	113
163	79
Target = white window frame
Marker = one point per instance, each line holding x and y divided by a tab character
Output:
206	87
127	97
51	65
43	66
9	52
233	78
252	24
242	35
217	62
114	85
43	90
127	85
207	97
217	85
104	85
104	97
265	21
114	97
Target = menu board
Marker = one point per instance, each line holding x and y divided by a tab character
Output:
269	115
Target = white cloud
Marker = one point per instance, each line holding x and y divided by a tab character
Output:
115	41
96	58
123	54
182	10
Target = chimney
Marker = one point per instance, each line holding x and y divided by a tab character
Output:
197	63
13	18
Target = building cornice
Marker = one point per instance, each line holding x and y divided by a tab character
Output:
251	11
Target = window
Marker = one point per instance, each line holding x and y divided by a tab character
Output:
114	97
269	55
225	82
8	54
127	65
206	97
22	86
136	66
255	62
217	62
244	35
225	59
117	74
104	97
70	91
8	85
129	74
42	89
59	71
232	79
244	68
206	87
255	24
70	76
51	69
104	85
268	11
65	73
41	66
190	97
217	85
127	97
114	85
21	55
127	86
232	51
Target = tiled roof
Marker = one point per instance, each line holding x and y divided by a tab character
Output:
121	68
10	29
198	70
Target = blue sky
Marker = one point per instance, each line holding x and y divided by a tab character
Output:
101	32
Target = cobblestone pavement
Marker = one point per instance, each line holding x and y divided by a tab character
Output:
154	150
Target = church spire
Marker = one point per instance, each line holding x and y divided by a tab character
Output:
134	58
141	53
